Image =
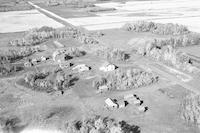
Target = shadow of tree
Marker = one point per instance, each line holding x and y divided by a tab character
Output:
126	128
12	125
73	80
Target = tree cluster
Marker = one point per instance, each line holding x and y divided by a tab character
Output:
74	52
69	53
13	55
48	81
112	54
164	50
123	79
156	28
34	37
100	124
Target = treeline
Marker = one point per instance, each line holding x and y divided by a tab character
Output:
43	34
156	28
14	55
11	56
180	41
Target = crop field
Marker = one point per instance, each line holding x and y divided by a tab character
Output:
176	11
99	66
18	21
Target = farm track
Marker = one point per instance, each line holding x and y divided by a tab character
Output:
51	15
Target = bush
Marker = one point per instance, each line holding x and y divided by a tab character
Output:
123	79
190	109
112	54
156	28
100	124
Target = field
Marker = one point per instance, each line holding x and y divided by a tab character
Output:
61	50
19	21
182	12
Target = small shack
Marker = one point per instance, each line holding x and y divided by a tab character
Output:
111	103
81	68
